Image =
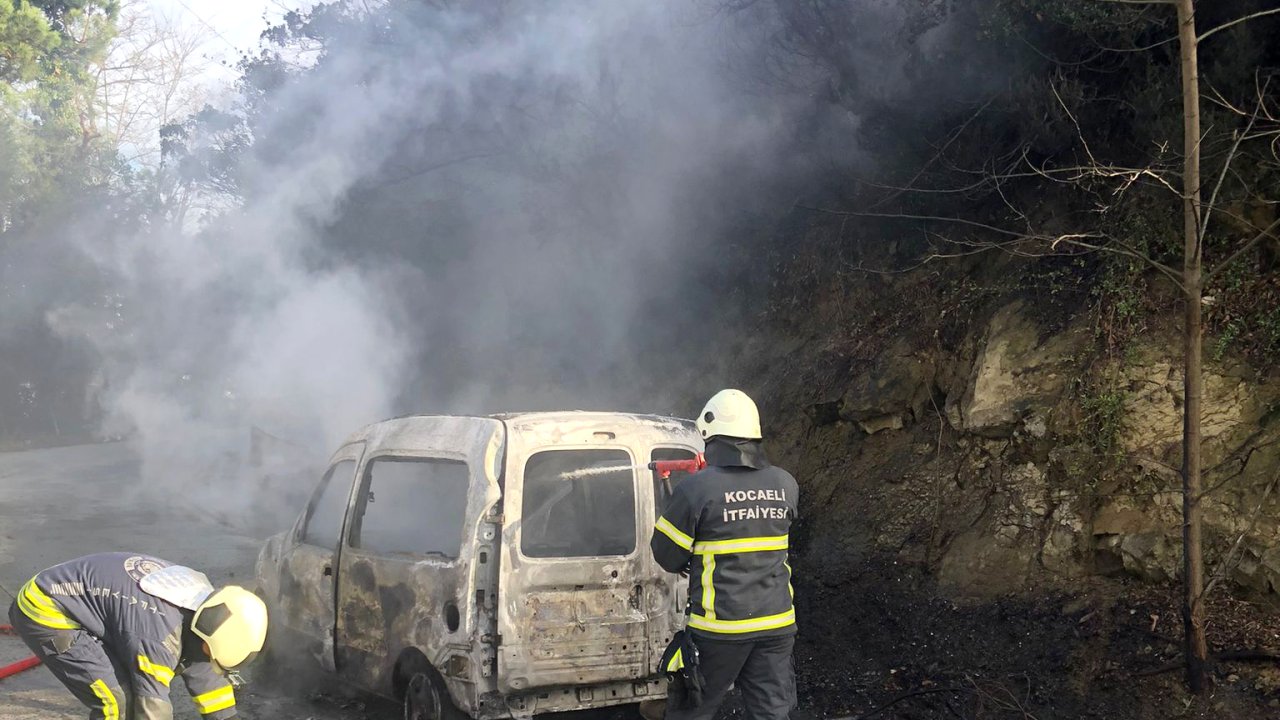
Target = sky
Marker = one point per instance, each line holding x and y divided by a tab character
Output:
233	25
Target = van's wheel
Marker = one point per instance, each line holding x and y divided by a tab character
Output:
425	698
422	699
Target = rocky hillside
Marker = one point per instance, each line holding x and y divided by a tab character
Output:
989	477
999	464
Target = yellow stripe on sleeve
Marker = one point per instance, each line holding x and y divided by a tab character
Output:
665	527
215	700
162	674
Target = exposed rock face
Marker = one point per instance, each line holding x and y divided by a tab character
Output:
896	388
1016	374
1153	407
1004	487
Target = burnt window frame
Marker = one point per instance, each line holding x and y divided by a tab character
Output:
355	524
308	513
638	541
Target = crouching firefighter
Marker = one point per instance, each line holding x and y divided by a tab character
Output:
115	628
727	526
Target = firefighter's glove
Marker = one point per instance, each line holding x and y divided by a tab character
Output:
680	663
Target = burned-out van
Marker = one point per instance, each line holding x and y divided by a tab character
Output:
498	566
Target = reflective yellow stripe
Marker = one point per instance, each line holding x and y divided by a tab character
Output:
41	609
790	589
741	545
665	527
708	586
215	700
768	622
161	673
110	707
677	661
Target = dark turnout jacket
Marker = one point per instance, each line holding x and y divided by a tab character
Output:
100	594
729	526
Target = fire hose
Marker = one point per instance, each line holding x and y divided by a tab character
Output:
21	665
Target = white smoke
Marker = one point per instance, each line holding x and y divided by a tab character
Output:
586	158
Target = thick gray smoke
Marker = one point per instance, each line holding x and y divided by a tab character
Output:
458	209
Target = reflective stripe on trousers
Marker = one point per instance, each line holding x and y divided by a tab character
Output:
110	705
80	662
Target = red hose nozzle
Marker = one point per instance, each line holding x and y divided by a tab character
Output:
664	468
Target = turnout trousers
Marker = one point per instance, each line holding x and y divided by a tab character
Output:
761	669
80	662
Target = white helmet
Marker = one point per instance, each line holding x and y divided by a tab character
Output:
730	413
233	623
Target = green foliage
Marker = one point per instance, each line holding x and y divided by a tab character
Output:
1011	19
48	55
1245	314
1120	303
26	38
1102	397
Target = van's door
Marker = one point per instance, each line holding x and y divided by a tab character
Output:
309	564
573	606
413	545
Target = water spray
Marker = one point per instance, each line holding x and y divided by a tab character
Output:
664	468
588	472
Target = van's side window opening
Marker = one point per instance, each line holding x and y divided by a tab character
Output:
324	516
412	506
571	513
662	489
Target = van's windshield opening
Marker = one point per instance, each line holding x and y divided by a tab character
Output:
578	503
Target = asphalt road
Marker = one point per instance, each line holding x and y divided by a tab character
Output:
61	503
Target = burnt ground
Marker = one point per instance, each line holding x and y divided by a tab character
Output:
890	647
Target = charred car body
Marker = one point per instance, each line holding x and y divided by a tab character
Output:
496	565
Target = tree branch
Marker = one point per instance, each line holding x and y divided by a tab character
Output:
1227	560
1200	39
1074	239
909	216
1174	276
954	136
1226	166
1237	21
1267	233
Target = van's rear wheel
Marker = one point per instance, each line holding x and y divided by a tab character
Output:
425	698
422	699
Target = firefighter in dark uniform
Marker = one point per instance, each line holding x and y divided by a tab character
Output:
115	628
728	527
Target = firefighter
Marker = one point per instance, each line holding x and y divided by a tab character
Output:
727	527
115	628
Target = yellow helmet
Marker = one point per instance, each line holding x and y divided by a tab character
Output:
233	623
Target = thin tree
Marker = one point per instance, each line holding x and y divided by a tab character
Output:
1194	225
151	77
1193	615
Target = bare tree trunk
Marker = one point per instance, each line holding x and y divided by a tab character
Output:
1192	548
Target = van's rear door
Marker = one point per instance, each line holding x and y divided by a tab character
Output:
576	575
